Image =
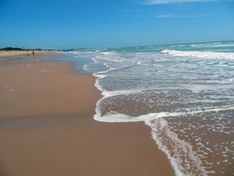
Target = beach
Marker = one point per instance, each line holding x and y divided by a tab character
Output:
47	126
183	93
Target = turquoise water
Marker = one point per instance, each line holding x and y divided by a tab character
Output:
183	92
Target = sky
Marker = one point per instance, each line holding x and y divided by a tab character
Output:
66	24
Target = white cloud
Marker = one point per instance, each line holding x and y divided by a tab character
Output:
172	1
168	16
181	16
165	16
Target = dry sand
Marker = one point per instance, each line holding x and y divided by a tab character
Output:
17	54
47	128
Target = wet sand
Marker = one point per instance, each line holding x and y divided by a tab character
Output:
47	127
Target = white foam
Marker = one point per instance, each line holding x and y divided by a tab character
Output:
158	126
199	54
111	93
231	80
212	45
116	117
196	88
114	61
160	132
85	67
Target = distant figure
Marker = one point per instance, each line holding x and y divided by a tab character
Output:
33	53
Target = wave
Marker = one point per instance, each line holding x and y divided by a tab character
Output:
213	45
161	83
180	153
180	83
176	149
200	54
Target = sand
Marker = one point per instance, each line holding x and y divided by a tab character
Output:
47	127
25	54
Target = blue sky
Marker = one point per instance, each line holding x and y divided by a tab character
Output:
63	24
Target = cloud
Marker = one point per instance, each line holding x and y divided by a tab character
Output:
151	2
168	16
181	16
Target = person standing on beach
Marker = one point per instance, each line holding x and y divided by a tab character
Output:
33	53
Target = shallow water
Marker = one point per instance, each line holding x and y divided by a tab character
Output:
185	93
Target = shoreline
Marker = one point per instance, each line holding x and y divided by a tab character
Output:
52	131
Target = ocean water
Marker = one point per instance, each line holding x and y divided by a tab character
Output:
183	92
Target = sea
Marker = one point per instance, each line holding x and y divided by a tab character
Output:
183	92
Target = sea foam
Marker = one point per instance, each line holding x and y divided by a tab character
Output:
184	93
199	54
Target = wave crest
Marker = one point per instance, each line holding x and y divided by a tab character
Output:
199	54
